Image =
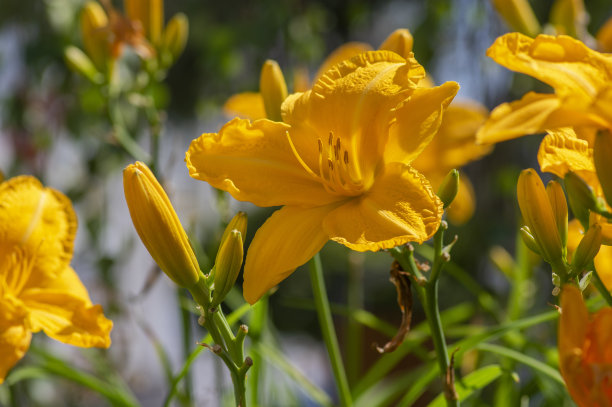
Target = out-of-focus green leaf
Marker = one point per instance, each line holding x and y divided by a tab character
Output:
471	383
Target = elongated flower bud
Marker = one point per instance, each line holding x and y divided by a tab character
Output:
273	89
587	248
158	225
80	63
538	215
581	197
529	240
175	36
449	188
227	265
519	16
95	33
559	208
239	222
400	41
602	156
150	13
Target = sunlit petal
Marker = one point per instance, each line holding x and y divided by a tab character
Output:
416	121
401	207
62	308
342	53
288	239
14	342
254	162
39	219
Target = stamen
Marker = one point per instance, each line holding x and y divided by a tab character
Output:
346	160
297	156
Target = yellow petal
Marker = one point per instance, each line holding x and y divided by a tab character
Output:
288	239
563	62
62	309
254	162
416	121
526	116
39	219
562	151
399	41
353	102
464	204
95	33
343	52
14	343
401	207
247	105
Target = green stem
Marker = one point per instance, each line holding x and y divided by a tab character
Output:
354	331
256	328
327	329
428	295
601	287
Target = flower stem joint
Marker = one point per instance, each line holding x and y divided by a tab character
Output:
158	225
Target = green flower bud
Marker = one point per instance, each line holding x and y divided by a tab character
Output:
449	188
581	197
227	265
80	63
175	37
529	240
587	248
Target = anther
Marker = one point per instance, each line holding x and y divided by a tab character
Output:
320	146
346	160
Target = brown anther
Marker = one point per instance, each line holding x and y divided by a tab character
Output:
320	146
331	139
331	164
346	160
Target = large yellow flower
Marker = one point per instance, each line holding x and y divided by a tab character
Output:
38	288
585	355
339	163
581	78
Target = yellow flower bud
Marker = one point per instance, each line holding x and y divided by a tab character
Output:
602	156
95	32
273	89
158	225
400	41
538	215
239	223
519	16
150	13
449	187
581	197
587	248
227	265
559	208
175	36
79	62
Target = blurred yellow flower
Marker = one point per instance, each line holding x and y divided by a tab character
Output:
38	288
585	355
581	79
338	163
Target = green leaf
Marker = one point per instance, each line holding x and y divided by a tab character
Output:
524	359
471	383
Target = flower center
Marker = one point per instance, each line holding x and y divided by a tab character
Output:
336	172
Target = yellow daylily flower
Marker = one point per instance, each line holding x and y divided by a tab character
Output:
585	356
38	288
581	78
338	164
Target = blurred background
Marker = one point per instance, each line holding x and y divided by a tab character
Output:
53	125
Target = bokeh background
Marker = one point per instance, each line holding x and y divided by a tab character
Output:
53	125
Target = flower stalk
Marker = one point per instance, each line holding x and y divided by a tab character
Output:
427	291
